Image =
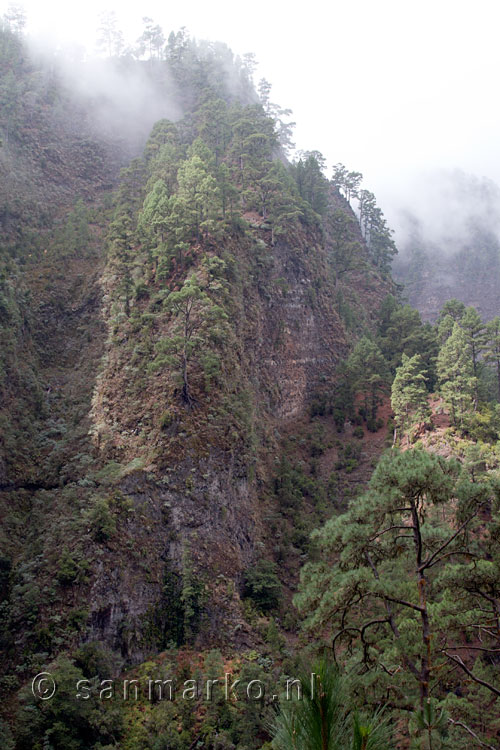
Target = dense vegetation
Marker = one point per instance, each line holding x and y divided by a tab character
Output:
216	257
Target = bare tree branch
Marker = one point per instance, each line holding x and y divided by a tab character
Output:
466	669
389	528
473	734
427	563
401	601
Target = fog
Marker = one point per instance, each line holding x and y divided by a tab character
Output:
405	93
123	99
444	207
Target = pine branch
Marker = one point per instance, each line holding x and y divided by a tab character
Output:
474	677
427	563
473	734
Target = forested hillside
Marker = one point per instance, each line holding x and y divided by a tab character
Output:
227	447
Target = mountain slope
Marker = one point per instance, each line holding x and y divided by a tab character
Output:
163	342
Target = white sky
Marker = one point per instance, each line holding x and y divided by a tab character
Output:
388	87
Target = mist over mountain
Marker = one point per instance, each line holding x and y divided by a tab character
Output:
233	459
447	227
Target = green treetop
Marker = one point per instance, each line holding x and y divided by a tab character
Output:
492	348
456	375
387	584
347	182
197	195
322	717
198	328
344	249
401	331
311	182
453	307
474	329
409	393
212	120
369	374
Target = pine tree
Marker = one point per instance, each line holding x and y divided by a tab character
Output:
164	165
164	132
366	206
401	331
339	176
456	375
409	394
311	182
153	224
251	149
264	89
492	349
322	718
391	576
374	227
344	249
151	40
110	38
453	307
199	326
212	120
381	244
444	328
347	182
474	329
197	195
227	191
153	219
121	244
369	375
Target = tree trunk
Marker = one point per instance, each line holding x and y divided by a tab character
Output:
425	670
186	394
185	388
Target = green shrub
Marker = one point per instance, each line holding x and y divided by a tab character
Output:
339	419
374	425
95	659
102	522
64	722
6	735
68	568
318	407
317	449
350	465
262	585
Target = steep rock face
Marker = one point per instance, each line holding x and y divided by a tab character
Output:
165	516
131	515
301	340
53	152
212	498
213	528
200	480
194	490
56	348
210	482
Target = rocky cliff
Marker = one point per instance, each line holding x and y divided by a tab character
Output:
132	508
